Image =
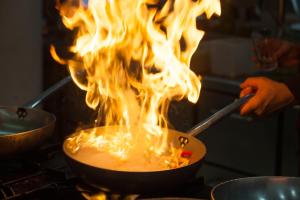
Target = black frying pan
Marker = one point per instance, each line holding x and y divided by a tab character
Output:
24	128
152	181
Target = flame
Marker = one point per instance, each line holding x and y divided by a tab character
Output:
136	57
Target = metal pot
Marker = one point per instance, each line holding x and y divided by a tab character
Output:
24	128
258	188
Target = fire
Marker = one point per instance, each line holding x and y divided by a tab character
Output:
135	55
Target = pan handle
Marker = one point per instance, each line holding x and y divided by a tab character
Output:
227	110
36	101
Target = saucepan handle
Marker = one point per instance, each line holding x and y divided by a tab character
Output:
227	110
36	101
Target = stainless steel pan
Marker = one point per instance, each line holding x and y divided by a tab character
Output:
258	188
23	128
139	182
149	182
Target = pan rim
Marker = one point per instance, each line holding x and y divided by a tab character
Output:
247	178
135	172
69	155
51	116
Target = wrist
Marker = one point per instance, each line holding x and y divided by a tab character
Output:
294	87
287	94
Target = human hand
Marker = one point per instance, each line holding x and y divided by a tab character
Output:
269	95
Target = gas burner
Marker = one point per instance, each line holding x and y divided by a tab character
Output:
173	198
195	190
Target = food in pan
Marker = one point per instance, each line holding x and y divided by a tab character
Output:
103	150
135	163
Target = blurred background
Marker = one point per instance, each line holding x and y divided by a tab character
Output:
238	146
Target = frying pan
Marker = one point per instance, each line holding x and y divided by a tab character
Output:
24	128
258	188
150	181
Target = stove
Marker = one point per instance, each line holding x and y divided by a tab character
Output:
44	174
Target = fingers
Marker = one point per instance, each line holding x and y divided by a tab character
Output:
269	95
258	103
246	91
251	82
254	105
248	87
250	106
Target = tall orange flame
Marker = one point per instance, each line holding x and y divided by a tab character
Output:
136	56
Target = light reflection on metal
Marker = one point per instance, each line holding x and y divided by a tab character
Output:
281	196
262	198
293	193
